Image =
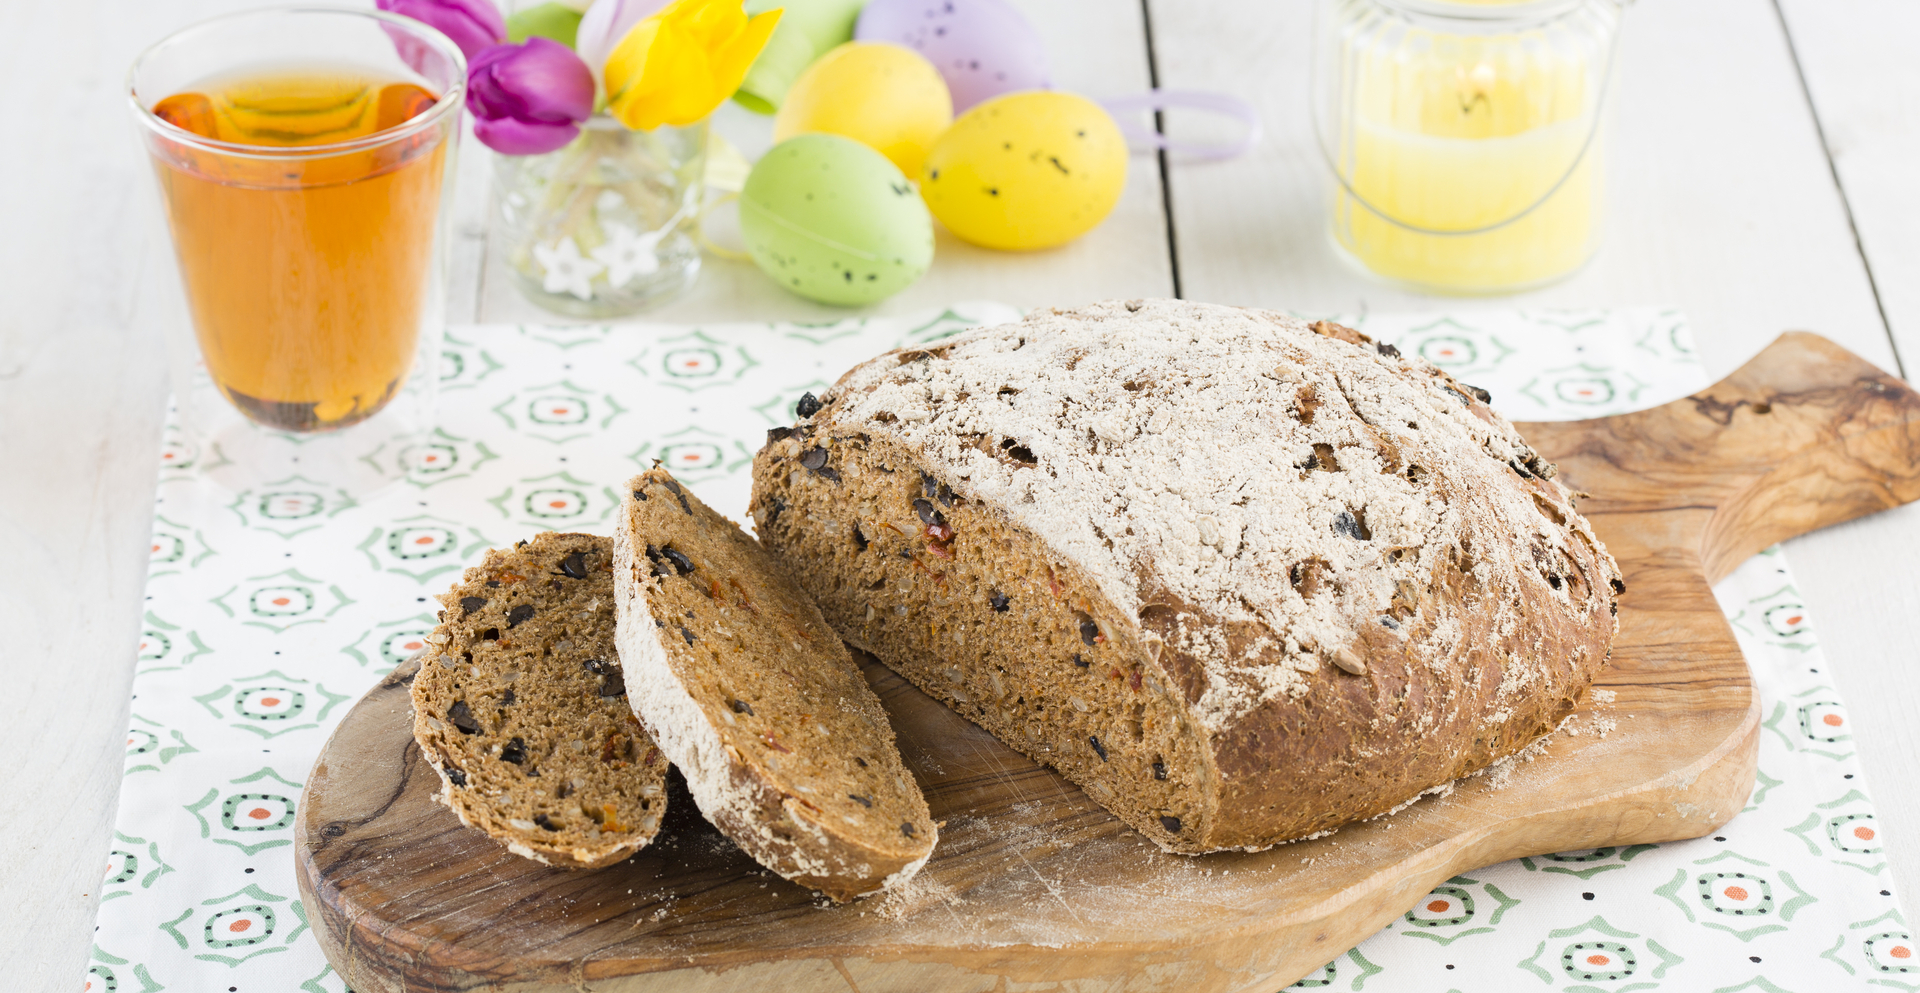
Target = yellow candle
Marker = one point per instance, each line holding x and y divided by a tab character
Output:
1470	163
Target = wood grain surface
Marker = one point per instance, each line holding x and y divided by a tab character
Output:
1253	231
1034	886
1844	51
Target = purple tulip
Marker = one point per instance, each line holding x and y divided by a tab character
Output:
529	98
471	24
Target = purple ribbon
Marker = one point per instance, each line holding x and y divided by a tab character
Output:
1126	111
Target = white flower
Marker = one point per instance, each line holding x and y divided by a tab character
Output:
628	254
566	271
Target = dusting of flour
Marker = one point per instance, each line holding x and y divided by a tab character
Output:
1218	452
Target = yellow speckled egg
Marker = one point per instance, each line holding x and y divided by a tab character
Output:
1026	170
886	97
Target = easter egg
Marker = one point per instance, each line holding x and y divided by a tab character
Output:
983	48
886	97
548	20
834	221
1026	170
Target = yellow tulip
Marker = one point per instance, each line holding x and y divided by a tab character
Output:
676	66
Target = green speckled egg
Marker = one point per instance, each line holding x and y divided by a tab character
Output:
834	221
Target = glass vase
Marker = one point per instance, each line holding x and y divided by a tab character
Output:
603	227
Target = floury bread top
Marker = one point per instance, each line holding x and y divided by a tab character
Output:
1294	483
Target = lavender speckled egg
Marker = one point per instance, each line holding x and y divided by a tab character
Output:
834	221
983	48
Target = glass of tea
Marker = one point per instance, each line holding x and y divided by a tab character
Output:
302	158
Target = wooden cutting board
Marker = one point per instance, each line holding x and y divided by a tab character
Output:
1036	888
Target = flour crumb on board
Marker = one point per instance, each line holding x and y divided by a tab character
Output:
1499	775
1443	790
1604	696
1596	725
915	895
1316	836
1031	827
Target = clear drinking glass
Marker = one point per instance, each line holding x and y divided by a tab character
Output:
603	227
302	158
1466	138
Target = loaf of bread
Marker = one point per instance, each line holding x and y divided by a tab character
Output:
784	746
1242	578
520	705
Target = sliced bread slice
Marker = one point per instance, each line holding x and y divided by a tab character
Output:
520	704
785	747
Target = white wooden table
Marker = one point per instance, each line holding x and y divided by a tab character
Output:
1762	180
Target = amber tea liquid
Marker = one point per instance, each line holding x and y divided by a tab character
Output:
305	276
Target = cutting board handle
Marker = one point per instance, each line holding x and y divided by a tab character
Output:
1803	436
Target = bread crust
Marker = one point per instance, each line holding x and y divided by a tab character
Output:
784	746
1327	666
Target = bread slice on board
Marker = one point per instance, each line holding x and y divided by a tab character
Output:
784	746
520	705
1242	578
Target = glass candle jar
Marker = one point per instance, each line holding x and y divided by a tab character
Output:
1466	138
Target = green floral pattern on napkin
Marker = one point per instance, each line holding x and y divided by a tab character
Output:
271	610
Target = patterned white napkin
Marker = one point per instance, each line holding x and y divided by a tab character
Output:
269	612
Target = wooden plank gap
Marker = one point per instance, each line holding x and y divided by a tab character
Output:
1826	149
1160	154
